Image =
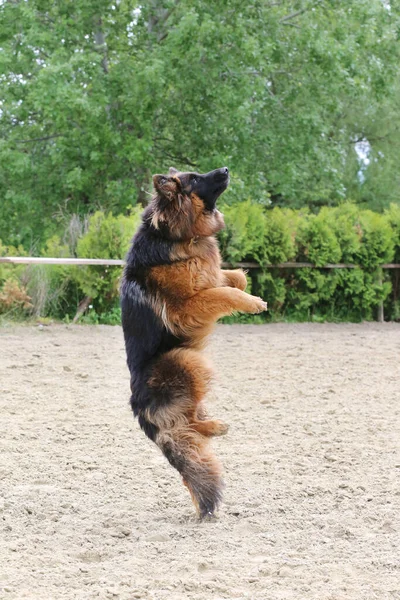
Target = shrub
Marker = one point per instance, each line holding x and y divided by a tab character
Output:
9	270
243	237
253	234
14	299
107	237
345	224
316	241
336	234
377	242
393	218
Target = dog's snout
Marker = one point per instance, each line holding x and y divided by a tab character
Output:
225	170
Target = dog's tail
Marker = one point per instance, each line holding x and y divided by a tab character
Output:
189	453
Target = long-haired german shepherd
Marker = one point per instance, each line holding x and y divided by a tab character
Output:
173	291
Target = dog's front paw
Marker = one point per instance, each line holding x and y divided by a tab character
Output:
259	305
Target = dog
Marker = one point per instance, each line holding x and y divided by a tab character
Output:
172	293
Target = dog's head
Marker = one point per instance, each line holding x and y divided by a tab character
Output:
185	203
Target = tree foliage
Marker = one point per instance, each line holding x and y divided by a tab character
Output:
97	95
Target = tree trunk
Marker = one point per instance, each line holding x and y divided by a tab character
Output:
83	306
100	42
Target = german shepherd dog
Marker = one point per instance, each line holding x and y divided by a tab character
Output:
172	292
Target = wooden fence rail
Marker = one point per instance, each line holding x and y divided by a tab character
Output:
36	260
39	260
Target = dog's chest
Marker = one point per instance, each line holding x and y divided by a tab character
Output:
184	278
204	267
203	274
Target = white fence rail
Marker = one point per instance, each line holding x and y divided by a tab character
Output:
39	260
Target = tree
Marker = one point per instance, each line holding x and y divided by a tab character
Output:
99	94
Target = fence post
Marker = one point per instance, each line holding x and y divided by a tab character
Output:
380	316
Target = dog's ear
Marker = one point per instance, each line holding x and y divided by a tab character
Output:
166	186
173	171
159	181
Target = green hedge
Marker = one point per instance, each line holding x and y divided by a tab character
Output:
253	234
343	234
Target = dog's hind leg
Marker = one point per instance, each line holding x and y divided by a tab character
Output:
178	382
182	377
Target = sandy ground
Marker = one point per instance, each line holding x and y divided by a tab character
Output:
90	509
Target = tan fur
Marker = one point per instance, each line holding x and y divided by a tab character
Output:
182	413
190	295
236	278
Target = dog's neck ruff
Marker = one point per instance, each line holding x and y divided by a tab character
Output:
193	240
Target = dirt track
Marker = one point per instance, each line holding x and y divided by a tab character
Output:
90	509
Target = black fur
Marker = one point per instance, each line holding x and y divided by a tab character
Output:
146	337
210	185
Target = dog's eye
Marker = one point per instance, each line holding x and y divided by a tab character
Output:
194	180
